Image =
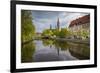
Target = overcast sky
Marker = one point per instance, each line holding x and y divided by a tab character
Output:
43	19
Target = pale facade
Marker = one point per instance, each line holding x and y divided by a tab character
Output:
81	24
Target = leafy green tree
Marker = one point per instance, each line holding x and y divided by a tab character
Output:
27	27
47	32
64	33
83	33
55	32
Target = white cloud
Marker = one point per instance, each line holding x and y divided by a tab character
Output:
43	19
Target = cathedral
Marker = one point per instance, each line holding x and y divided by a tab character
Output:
57	26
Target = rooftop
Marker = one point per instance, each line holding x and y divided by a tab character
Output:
80	21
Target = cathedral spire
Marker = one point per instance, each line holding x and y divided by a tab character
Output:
58	26
50	26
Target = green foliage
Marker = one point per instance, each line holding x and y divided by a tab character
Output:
27	27
64	33
47	32
27	51
63	45
55	32
83	33
47	42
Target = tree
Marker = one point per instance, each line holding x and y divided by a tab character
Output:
27	27
47	32
83	33
64	33
55	32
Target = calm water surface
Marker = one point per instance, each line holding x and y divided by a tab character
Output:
53	50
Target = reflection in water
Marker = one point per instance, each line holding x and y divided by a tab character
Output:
53	50
27	52
80	51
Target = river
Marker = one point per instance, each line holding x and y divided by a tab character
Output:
53	50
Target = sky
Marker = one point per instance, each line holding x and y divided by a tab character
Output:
43	19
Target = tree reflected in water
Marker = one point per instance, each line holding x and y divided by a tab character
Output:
27	51
55	49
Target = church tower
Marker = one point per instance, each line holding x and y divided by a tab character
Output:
50	26
58	24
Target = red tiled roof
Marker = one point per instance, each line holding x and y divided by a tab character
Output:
80	21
